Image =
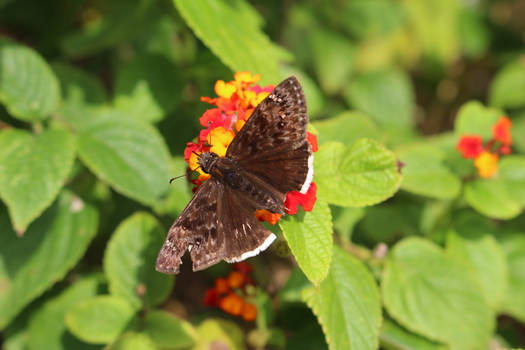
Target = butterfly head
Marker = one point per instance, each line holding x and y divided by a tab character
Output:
207	161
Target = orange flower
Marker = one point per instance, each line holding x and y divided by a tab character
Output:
249	312
268	216
235	279
501	131
487	164
470	146
222	285
232	304
231	295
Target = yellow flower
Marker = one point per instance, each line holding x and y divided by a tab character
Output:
260	97
487	164
219	139
246	77
225	90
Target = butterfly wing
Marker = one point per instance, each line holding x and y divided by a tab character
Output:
272	144
196	229
244	235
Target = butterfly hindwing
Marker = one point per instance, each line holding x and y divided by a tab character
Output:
244	235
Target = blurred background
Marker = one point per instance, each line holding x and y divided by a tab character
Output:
394	70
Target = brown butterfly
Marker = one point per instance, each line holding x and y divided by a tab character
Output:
269	157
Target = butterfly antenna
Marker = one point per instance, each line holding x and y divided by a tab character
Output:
175	178
209	132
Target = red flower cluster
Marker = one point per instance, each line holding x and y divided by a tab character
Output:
230	293
235	103
486	155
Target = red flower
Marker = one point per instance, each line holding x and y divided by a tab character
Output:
312	139
470	146
211	298
243	267
296	198
501	131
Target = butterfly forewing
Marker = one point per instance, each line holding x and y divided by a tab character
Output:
269	157
279	123
195	229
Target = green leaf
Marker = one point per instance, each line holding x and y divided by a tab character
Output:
491	198
345	219
78	87
370	19
47	328
130	155
518	128
228	28
147	88
347	304
28	87
389	221
473	32
358	175
167	331
33	169
395	337
80	91
431	294
434	28
179	193
333	59
114	22
51	246
475	119
292	290
309	235
512	173
507	89
514	247
221	333
385	95
101	319
129	262
346	128
133	341
484	259
424	173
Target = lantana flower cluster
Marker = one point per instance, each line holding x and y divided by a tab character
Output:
234	105
233	294
486	155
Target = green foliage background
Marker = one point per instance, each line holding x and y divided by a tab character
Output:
98	100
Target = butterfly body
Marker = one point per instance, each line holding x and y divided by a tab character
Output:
228	172
268	158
